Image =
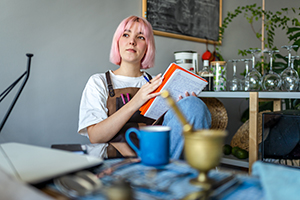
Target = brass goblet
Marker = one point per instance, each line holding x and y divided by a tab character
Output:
203	151
202	148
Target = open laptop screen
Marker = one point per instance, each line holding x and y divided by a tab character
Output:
35	165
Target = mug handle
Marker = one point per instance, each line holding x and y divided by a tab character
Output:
131	144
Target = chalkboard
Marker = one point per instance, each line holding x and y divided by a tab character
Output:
196	20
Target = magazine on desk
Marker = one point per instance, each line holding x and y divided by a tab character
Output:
177	81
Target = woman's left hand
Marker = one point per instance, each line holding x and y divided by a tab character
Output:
186	94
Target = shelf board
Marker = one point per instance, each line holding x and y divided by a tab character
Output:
231	160
264	95
279	95
225	94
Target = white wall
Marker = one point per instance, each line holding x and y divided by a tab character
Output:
70	40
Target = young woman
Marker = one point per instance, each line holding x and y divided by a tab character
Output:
110	101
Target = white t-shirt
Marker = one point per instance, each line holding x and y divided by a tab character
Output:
93	108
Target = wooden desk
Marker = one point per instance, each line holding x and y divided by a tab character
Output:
254	98
169	182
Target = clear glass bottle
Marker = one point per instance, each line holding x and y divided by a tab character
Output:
208	75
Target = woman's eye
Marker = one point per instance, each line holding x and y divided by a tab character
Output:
141	37
125	35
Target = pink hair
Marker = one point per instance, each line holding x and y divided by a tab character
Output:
146	29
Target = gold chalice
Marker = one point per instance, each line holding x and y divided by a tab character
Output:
203	151
202	148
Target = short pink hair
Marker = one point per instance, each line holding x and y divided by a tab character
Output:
146	29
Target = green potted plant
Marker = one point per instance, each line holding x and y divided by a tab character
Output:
272	21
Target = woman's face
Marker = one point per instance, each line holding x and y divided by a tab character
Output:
132	45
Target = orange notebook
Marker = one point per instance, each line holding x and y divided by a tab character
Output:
177	81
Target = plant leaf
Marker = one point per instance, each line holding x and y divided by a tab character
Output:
292	37
292	29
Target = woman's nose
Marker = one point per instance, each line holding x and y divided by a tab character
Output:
132	41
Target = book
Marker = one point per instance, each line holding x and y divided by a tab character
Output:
177	81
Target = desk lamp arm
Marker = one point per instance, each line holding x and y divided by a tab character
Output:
18	93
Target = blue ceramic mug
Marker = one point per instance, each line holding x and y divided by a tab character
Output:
154	144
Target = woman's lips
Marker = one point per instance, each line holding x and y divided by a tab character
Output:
131	50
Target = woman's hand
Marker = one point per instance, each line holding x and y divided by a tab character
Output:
146	91
186	94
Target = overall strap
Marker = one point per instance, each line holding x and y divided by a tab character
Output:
109	85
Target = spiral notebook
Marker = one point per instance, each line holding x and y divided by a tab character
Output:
177	81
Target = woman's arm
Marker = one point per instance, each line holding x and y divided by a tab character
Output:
123	148
108	128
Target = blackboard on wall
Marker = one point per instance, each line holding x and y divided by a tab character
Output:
196	20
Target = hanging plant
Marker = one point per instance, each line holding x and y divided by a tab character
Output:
272	21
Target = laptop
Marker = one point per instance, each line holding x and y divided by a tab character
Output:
36	165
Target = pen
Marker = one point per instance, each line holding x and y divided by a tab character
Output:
128	97
122	96
147	79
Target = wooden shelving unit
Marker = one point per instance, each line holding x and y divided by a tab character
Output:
254	99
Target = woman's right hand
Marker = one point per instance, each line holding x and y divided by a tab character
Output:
145	93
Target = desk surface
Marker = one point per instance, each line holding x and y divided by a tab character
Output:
172	182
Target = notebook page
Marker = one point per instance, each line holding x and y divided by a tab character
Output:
179	83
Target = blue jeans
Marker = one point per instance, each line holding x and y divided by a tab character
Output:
195	112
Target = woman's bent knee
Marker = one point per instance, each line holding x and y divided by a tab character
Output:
194	110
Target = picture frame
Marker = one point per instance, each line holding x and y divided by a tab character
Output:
193	20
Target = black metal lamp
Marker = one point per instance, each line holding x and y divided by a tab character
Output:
5	92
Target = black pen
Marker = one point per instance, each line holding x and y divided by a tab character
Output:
147	79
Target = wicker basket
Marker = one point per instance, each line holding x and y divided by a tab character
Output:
219	117
241	137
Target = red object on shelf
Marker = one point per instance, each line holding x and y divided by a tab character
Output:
207	54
